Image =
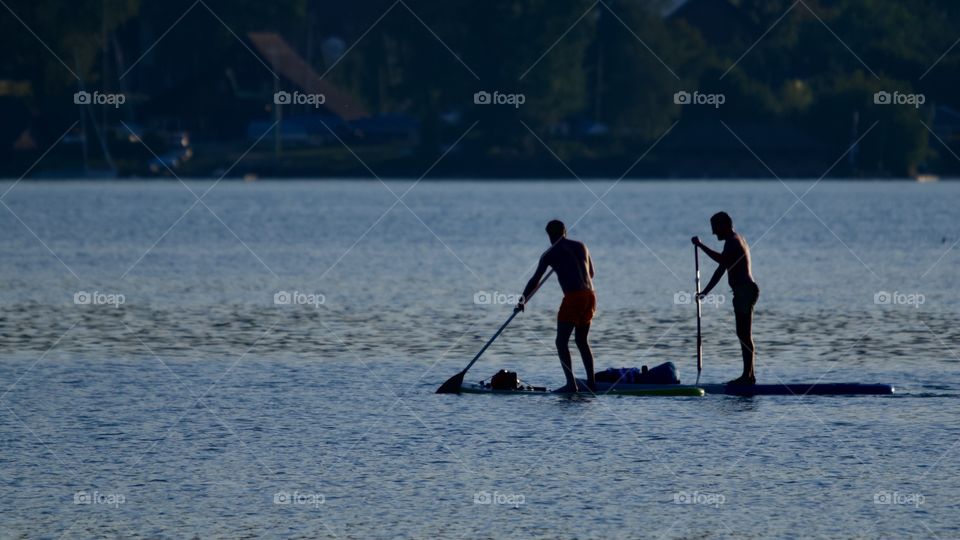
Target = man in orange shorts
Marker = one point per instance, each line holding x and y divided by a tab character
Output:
571	261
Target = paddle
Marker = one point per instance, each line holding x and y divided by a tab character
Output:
452	386
696	264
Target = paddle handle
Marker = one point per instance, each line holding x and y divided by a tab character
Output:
696	264
507	322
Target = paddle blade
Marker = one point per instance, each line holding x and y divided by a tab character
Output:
452	386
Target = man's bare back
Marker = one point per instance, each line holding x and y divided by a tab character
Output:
571	261
736	255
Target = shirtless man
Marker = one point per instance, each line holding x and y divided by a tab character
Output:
735	261
571	261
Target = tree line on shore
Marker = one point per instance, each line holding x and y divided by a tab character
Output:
600	81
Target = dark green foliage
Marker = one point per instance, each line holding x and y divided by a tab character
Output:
616	62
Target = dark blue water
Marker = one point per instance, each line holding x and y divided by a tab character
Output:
153	387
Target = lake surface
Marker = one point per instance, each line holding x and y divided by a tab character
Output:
154	388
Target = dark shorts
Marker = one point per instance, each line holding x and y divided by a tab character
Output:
745	297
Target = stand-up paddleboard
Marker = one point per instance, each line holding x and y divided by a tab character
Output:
818	389
798	390
602	390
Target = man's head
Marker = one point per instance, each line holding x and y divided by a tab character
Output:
556	230
722	225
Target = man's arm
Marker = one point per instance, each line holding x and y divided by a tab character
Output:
590	264
716	256
717	274
724	261
532	284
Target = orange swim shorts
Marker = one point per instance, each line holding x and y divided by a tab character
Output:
578	308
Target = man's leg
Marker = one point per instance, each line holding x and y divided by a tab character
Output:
745	335
585	353
563	349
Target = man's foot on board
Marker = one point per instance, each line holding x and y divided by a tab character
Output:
743	381
568	389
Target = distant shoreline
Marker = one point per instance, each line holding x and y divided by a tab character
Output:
452	179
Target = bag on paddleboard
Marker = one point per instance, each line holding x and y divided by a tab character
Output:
505	380
665	373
